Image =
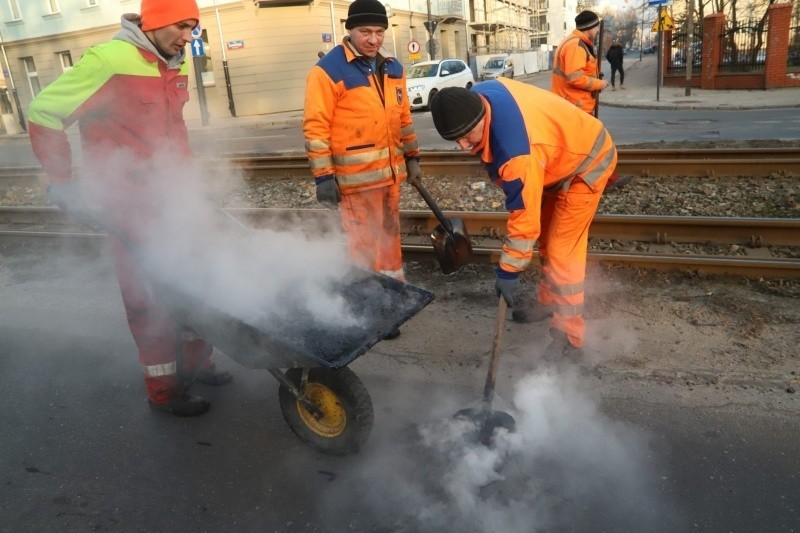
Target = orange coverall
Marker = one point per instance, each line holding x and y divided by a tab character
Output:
574	75
357	127
552	162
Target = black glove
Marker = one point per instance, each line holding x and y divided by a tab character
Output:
328	191
506	285
414	172
67	196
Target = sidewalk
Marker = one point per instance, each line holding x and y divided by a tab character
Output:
640	91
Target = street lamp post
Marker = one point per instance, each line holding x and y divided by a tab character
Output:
13	87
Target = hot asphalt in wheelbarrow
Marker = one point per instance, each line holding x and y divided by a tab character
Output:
289	337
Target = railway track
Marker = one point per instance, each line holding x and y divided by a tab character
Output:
636	162
752	247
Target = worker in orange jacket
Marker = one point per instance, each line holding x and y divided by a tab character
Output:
552	162
575	74
360	139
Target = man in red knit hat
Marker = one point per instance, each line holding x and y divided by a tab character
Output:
128	96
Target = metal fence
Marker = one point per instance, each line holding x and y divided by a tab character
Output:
793	58
677	61
744	47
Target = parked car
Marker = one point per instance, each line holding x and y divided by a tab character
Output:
650	48
498	67
425	79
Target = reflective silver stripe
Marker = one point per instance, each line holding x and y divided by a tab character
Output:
407	130
363	157
575	75
519	264
319	162
364	177
396	274
410	146
593	175
520	245
401	168
568	310
567	290
599	142
157	371
315	145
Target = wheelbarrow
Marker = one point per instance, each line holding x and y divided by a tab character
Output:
324	403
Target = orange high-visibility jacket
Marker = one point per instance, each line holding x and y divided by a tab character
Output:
574	75
357	129
534	140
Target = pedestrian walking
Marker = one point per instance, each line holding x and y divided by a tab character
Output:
615	57
127	95
552	161
360	139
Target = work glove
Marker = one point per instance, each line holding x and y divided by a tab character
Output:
414	172
68	197
506	284
328	191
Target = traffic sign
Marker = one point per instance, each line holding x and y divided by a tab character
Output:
413	47
663	22
657	2
197	32
197	48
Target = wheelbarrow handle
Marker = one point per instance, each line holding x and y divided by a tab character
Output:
432	204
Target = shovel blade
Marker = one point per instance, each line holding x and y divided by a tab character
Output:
452	250
487	422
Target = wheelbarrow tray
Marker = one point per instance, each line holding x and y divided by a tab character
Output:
290	338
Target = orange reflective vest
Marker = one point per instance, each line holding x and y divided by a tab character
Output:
574	75
535	141
358	127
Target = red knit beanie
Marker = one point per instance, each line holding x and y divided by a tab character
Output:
159	13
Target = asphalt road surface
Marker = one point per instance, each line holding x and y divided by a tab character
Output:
81	451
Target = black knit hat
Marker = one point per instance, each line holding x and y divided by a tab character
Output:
456	111
586	20
366	13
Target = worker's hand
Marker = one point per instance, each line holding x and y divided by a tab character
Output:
506	285
414	172
328	191
605	84
67	196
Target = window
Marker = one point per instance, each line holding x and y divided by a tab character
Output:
53	6
16	14
92	3
33	76
66	60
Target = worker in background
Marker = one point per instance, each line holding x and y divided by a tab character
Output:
127	95
360	140
552	161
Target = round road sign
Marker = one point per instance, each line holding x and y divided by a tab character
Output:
413	47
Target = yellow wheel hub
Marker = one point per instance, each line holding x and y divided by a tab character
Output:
334	417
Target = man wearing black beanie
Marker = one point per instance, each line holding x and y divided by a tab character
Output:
575	71
552	161
360	139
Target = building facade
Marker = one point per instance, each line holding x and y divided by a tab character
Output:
267	45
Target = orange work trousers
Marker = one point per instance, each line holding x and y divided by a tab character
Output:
371	222
168	352
563	243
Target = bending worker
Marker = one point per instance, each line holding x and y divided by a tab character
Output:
552	161
360	140
127	95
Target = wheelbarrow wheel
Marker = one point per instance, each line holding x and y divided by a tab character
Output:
346	408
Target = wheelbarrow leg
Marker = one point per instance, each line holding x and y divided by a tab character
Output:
297	392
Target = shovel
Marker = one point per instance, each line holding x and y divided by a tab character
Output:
491	420
450	239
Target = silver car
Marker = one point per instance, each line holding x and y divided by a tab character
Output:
498	67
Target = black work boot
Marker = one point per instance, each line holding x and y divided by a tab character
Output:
211	376
530	313
184	405
617	182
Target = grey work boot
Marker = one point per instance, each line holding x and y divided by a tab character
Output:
531	312
561	349
184	405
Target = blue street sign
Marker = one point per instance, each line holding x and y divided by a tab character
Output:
657	2
197	32
197	48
